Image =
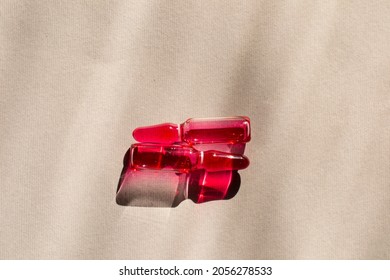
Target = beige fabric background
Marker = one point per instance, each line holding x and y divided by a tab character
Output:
76	77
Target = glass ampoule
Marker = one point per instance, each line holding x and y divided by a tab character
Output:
152	188
197	130
183	158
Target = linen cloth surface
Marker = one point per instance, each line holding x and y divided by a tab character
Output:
76	77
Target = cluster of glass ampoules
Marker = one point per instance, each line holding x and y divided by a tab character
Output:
198	160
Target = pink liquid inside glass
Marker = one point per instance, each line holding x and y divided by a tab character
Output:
201	166
208	186
193	131
183	158
152	188
165	133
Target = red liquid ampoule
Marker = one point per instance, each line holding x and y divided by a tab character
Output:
153	188
196	131
206	186
183	158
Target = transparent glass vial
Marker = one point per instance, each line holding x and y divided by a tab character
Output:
183	158
197	131
151	188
